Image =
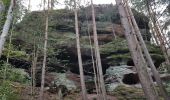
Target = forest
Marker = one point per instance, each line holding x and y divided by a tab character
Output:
84	50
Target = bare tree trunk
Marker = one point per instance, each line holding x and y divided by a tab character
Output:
158	32
93	60
33	72
103	90
137	56
113	31
6	27
162	45
167	45
153	33
52	4
1	7
10	42
9	49
29	5
82	79
148	57
45	55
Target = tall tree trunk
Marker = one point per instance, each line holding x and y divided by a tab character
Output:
45	54
52	4
153	34
158	32
137	56
6	27
147	55
29	5
103	90
33	72
82	79
93	60
1	7
10	41
113	32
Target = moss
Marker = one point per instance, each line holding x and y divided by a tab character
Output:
66	38
116	46
153	49
128	93
123	92
120	56
118	50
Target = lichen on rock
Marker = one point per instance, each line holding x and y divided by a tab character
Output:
61	79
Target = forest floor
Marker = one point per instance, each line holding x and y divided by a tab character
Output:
25	94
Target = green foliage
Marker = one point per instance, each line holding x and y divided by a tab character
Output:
16	54
7	72
120	46
120	56
6	3
12	51
153	48
7	92
167	84
18	10
118	50
116	46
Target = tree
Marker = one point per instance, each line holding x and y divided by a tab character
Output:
146	53
154	13
1	7
29	5
159	34
52	4
45	52
96	45
33	70
82	79
6	26
136	54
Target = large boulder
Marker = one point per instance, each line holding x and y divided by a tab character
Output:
61	79
119	72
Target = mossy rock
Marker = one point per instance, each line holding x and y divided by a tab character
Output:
118	50
116	46
61	79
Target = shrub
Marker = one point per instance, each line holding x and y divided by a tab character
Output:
7	92
9	73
